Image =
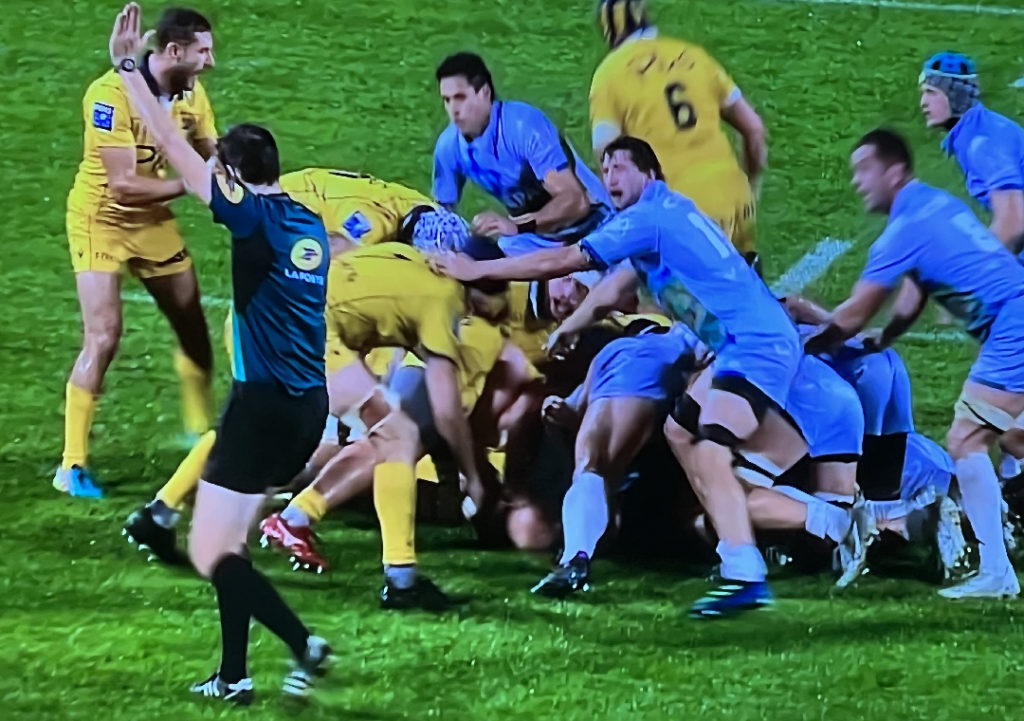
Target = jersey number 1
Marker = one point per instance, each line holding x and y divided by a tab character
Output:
682	109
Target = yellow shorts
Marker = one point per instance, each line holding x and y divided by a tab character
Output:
340	356
726	198
149	251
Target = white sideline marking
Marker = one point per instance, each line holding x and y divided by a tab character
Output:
902	5
208	300
944	335
811	267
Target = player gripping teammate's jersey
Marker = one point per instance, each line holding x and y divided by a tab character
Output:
672	94
103	234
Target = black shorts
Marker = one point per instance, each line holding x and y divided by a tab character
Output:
265	437
410	383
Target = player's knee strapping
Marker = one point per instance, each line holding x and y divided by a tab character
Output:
394	497
972	408
719	435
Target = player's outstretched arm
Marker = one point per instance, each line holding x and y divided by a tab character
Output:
742	116
539	265
906	309
442	381
125	44
850	317
614	292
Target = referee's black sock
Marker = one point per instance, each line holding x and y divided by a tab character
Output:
265	604
229	580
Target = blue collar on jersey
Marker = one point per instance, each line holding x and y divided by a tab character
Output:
968	123
904	198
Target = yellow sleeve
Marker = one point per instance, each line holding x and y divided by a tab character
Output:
726	92
439	320
605	119
206	127
108	122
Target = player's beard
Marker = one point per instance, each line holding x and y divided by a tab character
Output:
181	79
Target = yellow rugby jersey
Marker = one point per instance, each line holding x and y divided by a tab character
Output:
527	325
363	209
112	122
387	295
669	93
480	345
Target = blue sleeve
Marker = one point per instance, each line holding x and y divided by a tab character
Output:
891	257
995	165
234	207
541	144
448	177
621	238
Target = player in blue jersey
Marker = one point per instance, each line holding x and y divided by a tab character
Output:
513	152
618	408
935	246
692	271
278	404
988	146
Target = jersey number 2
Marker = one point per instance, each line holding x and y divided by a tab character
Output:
682	109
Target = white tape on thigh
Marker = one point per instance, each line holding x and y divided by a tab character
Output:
981	412
330	434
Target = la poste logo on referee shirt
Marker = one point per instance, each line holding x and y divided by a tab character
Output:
306	255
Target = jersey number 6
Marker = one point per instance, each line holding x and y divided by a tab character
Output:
682	110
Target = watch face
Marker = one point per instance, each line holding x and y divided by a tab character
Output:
128	64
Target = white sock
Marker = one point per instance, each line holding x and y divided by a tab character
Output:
584	515
741	563
982	502
294	517
823	520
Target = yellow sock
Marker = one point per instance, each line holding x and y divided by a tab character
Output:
196	394
426	470
394	497
79	406
186	478
312	503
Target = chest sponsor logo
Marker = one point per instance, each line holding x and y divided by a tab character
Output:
307	254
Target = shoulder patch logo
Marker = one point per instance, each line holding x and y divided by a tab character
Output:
103	116
356	225
307	254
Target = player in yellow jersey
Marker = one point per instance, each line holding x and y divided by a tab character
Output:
118	219
674	95
501	395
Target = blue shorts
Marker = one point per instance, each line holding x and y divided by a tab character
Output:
1000	363
768	361
883	385
926	464
647	366
826	409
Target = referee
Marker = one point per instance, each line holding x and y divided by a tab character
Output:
278	404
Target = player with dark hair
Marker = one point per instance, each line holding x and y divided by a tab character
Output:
278	403
513	152
118	216
935	246
673	95
698	277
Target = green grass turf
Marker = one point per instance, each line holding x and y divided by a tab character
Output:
89	631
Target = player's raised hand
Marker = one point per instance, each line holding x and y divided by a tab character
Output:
492	225
456	266
126	39
556	412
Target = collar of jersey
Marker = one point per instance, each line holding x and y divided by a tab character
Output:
967	123
154	86
903	198
490	134
648	33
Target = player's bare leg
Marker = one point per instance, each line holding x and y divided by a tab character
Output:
611	433
177	297
346	476
968	443
99	295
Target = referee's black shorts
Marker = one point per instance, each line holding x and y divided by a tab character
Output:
265	437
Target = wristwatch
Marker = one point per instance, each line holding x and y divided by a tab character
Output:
127	65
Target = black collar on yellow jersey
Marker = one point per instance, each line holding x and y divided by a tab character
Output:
147	74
